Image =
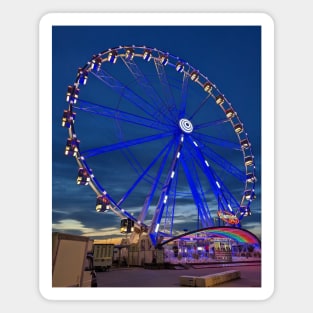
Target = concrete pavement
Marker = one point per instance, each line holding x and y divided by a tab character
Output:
141	277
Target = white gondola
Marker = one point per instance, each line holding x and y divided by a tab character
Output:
238	128
164	59
248	160
179	67
219	100
68	118
82	76
207	87
127	226
96	63
129	54
147	55
194	76
72	94
112	56
250	178
72	147
83	177
102	204
245	144
230	113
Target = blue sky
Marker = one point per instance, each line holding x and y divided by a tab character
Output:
228	55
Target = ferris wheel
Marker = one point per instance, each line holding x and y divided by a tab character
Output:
158	142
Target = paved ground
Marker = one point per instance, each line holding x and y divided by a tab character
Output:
140	277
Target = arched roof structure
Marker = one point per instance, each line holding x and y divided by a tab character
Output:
237	234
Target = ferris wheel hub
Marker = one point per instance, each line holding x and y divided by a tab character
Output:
185	125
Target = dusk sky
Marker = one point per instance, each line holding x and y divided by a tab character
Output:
229	56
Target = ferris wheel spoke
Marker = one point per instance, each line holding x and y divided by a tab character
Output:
206	168
134	162
230	204
184	95
197	192
200	106
105	111
155	224
167	218
221	162
226	201
127	93
161	113
150	196
211	123
195	172
171	205
225	165
167	92
122	145
144	173
217	141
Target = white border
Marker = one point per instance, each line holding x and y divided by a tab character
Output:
45	155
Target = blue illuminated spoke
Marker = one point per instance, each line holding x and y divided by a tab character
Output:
158	104
151	194
144	173
184	95
105	111
198	109
170	210
169	98
219	189
197	192
122	145
128	94
217	158
158	213
217	141
211	124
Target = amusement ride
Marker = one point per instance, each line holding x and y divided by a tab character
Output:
158	143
